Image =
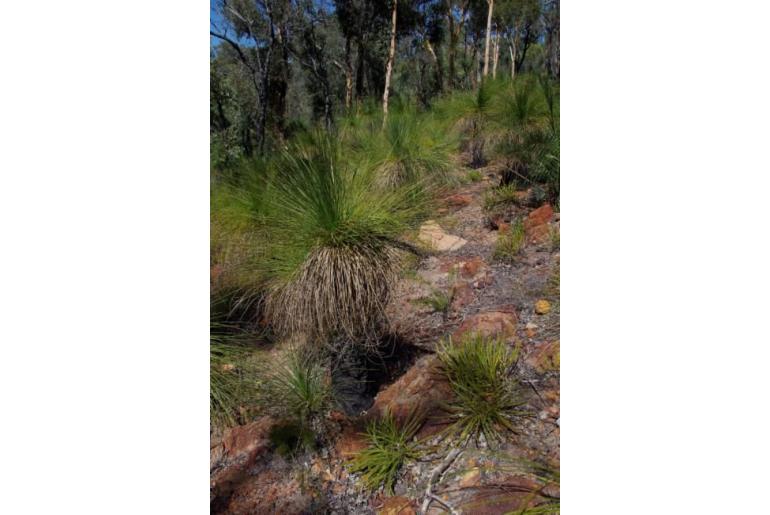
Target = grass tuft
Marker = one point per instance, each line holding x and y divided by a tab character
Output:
295	386
501	195
231	380
475	176
510	242
390	445
486	398
438	300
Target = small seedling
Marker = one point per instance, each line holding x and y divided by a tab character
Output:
486	398
438	300
499	196
510	242
390	445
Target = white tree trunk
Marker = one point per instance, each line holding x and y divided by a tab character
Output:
497	55
389	67
489	33
512	50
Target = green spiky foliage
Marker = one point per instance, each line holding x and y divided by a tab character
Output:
486	397
502	195
232	385
530	145
522	150
475	176
546	169
410	148
438	300
510	242
473	115
333	249
390	445
238	206
294	385
550	91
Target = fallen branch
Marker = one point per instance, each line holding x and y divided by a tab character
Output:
435	476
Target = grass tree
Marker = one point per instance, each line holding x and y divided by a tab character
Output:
333	250
412	149
474	116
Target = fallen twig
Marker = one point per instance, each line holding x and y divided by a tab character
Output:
435	476
444	503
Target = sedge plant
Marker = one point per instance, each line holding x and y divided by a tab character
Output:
390	444
486	398
510	242
232	384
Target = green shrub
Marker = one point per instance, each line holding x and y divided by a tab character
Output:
237	232
411	148
486	398
438	300
232	384
550	91
390	445
500	196
294	385
546	169
475	176
510	242
473	115
521	106
333	249
523	149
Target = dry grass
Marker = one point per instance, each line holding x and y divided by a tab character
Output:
337	290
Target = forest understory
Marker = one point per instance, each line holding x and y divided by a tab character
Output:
457	286
385	217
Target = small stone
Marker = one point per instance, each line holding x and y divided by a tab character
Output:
539	216
542	307
489	324
434	236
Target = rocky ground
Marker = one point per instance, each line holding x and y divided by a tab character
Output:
518	300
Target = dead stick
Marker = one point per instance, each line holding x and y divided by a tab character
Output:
435	475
